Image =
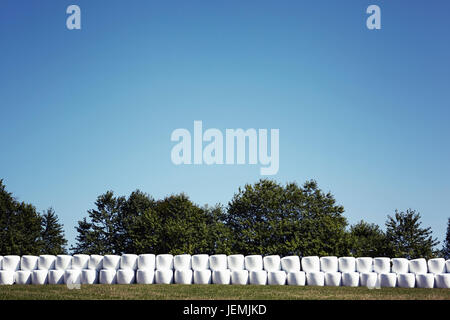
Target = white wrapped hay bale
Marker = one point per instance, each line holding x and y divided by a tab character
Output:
126	276
147	261
311	264
107	276
425	280
290	263
442	280
11	263
277	278
369	279
239	277
145	276
236	262
382	265
447	266
163	276
63	262
258	277
7	277
183	276
388	280
56	276
406	280
333	279
347	264
29	263
80	261
350	279
253	263
329	264
89	276
418	266
182	262
202	276
315	278
46	262
218	262
400	265
364	264
128	262
164	262
23	277
296	278
95	262
221	276
72	276
111	262
39	277
272	263
200	262
436	265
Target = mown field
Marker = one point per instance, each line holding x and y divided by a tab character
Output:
215	292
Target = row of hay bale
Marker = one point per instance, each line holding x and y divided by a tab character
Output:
222	269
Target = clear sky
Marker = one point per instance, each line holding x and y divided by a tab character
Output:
364	112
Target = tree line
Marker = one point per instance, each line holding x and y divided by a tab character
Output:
261	218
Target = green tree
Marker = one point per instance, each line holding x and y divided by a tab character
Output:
52	234
267	218
406	238
368	240
446	248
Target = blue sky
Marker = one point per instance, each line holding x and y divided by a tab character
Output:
365	113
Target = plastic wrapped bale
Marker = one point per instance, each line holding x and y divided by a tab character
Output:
126	276
111	262
364	264
447	266
164	262
80	261
388	280
400	265
7	277
145	276
239	277
202	276
436	265
72	276
253	263
200	262
296	278
311	264
218	262
315	278
29	263
277	278
128	262
442	280
95	262
329	264
63	262
418	266
46	262
350	279
382	265
164	276
39	277
147	261
23	277
182	262
368	279
406	280
236	262
333	279
56	276
425	280
290	264
258	277
221	276
183	276
11	263
272	263
89	276
347	264
107	276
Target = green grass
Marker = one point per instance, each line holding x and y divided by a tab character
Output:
212	292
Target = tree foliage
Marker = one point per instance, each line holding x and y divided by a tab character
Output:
368	240
446	248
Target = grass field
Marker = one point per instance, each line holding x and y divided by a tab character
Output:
213	292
